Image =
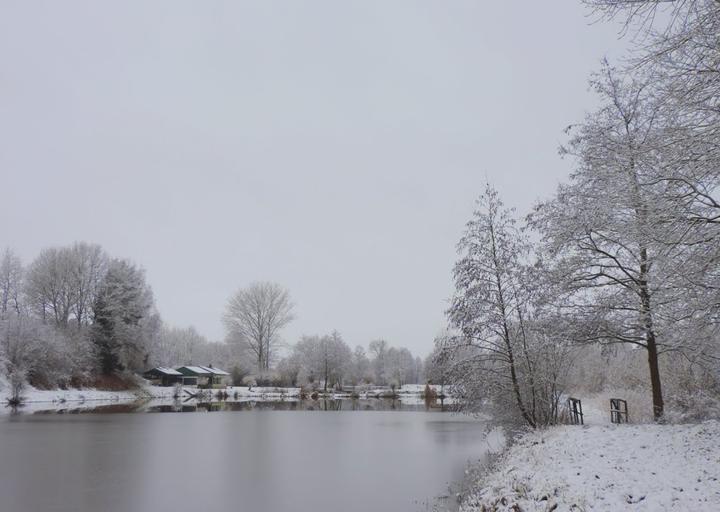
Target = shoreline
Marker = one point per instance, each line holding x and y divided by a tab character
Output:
48	400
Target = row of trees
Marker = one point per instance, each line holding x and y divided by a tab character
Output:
254	318
328	361
72	313
626	252
75	314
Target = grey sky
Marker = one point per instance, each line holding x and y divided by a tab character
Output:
333	147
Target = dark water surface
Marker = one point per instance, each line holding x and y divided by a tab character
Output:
254	461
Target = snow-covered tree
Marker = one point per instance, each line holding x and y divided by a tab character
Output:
487	308
176	346
360	371
124	318
619	233
87	266
11	277
378	360
254	317
500	349
62	282
436	365
323	358
49	290
400	365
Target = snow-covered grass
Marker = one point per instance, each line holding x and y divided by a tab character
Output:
607	468
32	395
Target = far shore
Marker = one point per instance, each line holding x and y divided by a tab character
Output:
38	399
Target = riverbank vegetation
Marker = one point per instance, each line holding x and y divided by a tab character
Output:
613	282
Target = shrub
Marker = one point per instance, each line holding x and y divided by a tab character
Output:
429	393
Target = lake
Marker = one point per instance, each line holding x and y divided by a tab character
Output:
255	460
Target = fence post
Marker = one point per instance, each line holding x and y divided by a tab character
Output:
618	410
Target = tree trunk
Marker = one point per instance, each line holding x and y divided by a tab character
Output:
658	405
506	331
516	388
326	374
651	345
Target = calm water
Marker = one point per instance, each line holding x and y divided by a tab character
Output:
252	460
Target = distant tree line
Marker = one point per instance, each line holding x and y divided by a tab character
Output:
328	362
254	318
75	316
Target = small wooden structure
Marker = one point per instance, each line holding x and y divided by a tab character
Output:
575	412
618	410
161	376
205	376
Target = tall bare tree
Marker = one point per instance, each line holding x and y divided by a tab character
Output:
48	286
87	265
11	275
62	282
254	317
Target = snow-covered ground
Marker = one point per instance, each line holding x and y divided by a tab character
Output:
606	468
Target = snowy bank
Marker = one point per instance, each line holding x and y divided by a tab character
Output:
32	395
606	468
39	399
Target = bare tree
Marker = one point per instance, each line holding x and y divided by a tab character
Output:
327	358
378	353
400	365
48	286
87	266
11	275
62	282
254	317
360	367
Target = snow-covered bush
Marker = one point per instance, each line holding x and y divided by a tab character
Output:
16	379
268	379
692	390
47	357
249	381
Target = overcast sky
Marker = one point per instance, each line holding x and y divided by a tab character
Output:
334	147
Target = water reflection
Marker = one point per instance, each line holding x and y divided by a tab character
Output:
261	461
295	405
192	405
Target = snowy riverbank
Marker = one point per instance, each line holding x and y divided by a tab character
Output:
38	399
606	468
